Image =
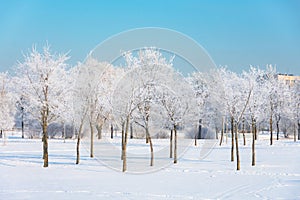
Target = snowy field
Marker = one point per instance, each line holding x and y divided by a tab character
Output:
276	176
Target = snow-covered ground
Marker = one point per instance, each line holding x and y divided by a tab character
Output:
276	175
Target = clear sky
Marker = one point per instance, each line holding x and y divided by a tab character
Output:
235	33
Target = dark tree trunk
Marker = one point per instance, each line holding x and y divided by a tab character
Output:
111	131
147	140
226	130
45	141
277	132
125	145
78	144
171	142
294	132
123	134
253	142
1	133
255	129
22	122
77	149
131	131
243	131
271	130
298	130
277	126
99	131
151	146
92	140
64	132
232	139
175	144
237	149
195	138
200	129
222	132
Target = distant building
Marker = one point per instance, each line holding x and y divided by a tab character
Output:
289	79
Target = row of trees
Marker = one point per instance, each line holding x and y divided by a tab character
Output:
252	98
146	92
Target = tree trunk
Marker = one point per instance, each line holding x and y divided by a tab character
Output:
78	143
294	132
151	146
99	131
253	142
195	139
111	131
243	131
225	129
77	149
217	137
255	129
232	139
22	124
277	127
1	133
298	130
125	145
62	131
237	149
200	129
222	132
131	131
123	134
175	144
171	142
45	141
92	140
271	130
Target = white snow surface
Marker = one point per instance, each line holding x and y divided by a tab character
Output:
275	176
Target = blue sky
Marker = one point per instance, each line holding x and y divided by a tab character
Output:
235	33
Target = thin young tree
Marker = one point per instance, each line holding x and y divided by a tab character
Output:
271	87
237	98
96	88
146	70
7	101
257	101
200	84
178	109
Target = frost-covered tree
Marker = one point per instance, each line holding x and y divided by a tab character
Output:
179	105
96	88
41	82
237	98
91	92
80	106
297	105
65	109
124	103
271	94
20	114
280	105
215	110
254	111
7	104
292	107
135	96
200	83
152	69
